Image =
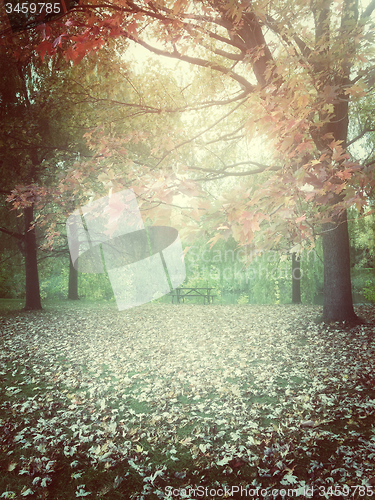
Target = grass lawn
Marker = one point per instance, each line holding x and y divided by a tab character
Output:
185	401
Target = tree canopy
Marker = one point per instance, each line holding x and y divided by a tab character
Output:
289	72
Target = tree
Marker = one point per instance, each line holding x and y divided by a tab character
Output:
32	147
295	68
41	135
296	279
16	109
74	102
73	282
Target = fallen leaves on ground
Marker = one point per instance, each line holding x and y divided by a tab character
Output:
188	395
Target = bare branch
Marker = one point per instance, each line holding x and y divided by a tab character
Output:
202	132
228	55
220	38
223	173
198	62
12	233
248	162
369	10
305	50
229	136
359	136
144	108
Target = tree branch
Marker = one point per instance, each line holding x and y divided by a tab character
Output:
359	136
144	108
305	50
228	55
200	133
223	39
369	10
18	236
197	62
227	41
222	173
229	136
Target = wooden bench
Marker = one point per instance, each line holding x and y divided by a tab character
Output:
182	292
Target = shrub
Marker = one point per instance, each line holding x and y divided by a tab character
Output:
369	291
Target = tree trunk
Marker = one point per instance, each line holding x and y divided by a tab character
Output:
73	282
33	302
296	279
338	302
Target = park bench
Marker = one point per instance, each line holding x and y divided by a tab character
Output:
182	292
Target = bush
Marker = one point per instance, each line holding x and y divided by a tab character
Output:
55	287
243	299
369	290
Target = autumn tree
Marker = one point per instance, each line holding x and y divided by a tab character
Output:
35	146
295	68
63	107
20	160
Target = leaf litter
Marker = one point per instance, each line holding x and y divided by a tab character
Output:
165	396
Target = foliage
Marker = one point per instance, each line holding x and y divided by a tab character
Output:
204	269
300	93
292	80
11	275
243	299
362	233
94	286
42	133
369	290
54	275
262	277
